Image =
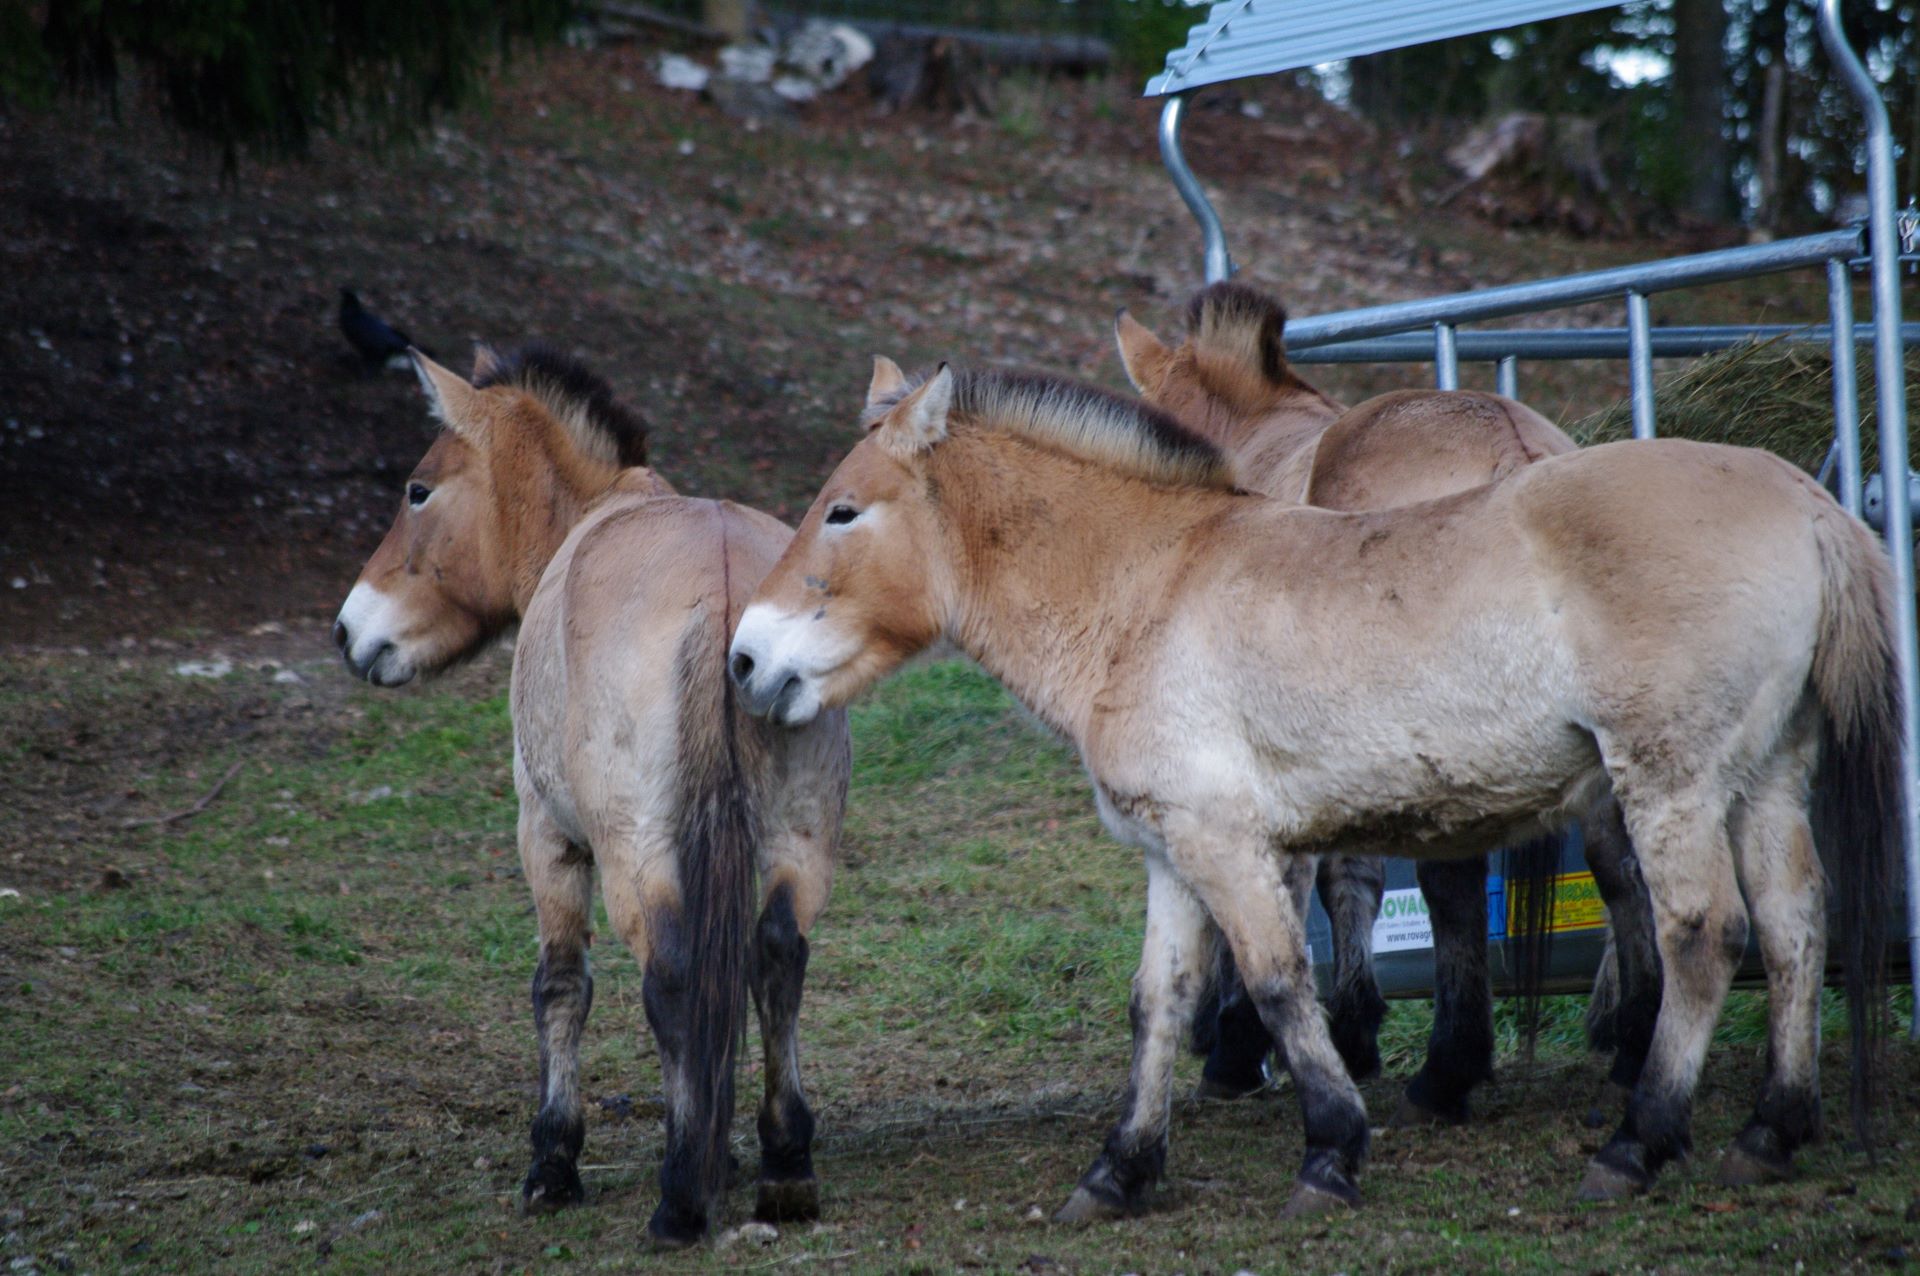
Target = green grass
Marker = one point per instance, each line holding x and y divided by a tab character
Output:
310	1004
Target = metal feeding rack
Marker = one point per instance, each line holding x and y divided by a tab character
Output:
1242	38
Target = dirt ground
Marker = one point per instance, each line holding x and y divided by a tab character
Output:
287	1026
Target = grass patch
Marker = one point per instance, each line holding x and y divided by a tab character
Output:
300	1034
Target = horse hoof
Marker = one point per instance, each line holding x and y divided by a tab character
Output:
1226	1092
1413	1116
1741	1168
551	1187
790	1201
1309	1201
1604	1183
671	1229
1084	1207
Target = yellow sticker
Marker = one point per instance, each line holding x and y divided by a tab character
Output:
1576	903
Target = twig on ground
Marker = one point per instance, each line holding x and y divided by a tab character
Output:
187	813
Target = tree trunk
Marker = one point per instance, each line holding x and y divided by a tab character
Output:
1770	147
1699	82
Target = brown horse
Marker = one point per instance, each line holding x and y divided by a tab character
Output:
1252	684
1230	381
535	504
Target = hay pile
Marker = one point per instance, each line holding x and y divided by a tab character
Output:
1772	394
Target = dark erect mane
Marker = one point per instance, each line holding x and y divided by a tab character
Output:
1242	324
1092	423
579	399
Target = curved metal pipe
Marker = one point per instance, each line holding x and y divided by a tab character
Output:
1891	399
1219	265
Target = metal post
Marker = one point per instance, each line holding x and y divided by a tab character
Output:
1640	363
1846	393
1219	265
1506	377
1890	387
1446	362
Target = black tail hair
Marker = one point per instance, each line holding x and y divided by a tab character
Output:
715	841
1529	871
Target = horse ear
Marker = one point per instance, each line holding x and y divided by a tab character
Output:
1142	354
919	421
454	402
887	381
487	361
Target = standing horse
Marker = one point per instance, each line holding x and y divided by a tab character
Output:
629	753
1252	684
1231	383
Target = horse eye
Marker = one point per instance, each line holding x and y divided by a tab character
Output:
417	494
842	514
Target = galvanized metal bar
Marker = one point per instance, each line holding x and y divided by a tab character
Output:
1572	290
1846	392
1640	363
1890	388
1487	345
1446	362
1506	377
1219	265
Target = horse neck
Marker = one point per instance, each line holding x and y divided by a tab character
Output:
542	493
1059	563
1266	438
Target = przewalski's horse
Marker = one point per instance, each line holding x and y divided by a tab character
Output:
1230	381
535	504
1252	684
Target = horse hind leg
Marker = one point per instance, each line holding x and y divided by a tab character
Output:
1351	888
1239	1044
787	1190
1460	1048
561	876
1786	887
1701	928
1626	992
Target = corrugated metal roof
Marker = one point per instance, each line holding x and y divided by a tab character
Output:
1239	38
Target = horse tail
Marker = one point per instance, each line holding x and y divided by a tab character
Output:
1530	870
716	837
1856	791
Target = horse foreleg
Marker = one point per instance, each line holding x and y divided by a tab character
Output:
1460	1047
1256	902
787	1189
561	876
1351	888
1173	964
1621	1017
1787	889
1701	928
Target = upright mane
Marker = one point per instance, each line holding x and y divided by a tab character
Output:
1087	421
600	425
1235	334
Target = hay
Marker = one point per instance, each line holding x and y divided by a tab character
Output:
1774	394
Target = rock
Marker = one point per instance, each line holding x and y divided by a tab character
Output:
744	100
218	667
677	71
288	677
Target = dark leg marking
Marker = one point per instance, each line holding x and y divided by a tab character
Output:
787	1190
562	996
1460	1049
1237	1054
1351	888
1616	871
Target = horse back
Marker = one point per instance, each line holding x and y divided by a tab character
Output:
1417	445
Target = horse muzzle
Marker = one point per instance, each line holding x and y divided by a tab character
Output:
778	695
